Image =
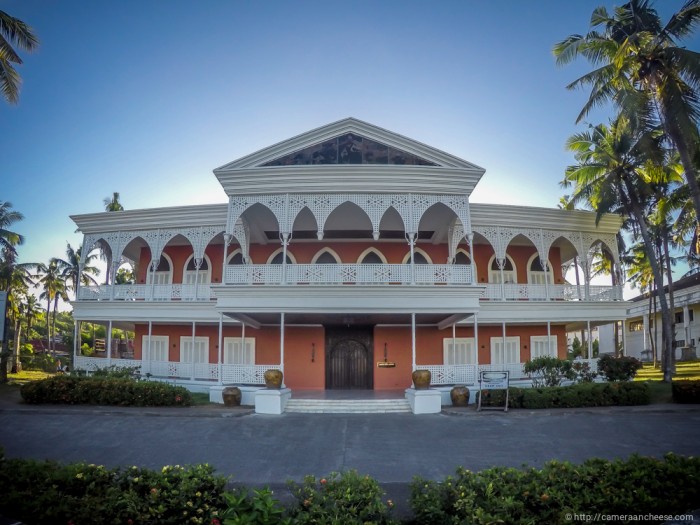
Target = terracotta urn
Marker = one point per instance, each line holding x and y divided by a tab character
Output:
421	379
273	378
232	396
459	396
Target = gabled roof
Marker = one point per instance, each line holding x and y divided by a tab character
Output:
280	152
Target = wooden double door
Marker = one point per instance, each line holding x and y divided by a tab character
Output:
349	357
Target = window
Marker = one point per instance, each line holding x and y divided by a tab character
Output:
326	257
233	353
372	257
159	348
461	353
636	326
509	275
536	274
542	345
163	274
679	316
505	354
201	349
192	275
277	259
462	258
235	258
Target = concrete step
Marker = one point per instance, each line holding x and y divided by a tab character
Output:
348	406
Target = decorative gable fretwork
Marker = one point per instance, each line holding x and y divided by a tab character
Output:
410	207
115	242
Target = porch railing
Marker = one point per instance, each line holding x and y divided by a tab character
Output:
368	274
147	292
554	292
237	374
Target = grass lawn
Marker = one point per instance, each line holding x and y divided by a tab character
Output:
200	398
661	392
28	375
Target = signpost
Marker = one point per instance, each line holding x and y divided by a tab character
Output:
493	381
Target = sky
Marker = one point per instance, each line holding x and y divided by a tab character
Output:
146	98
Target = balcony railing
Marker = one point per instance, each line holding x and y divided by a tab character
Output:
237	374
146	292
555	292
334	274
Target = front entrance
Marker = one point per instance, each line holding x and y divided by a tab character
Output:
349	352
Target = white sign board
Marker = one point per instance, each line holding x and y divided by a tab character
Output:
3	306
493	381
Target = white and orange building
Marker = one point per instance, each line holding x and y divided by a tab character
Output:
347	256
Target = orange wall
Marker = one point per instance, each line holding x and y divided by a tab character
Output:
349	252
302	373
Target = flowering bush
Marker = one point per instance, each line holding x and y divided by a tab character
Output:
618	368
552	494
74	390
41	492
346	498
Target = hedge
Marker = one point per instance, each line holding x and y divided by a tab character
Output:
574	396
560	490
74	390
686	391
45	492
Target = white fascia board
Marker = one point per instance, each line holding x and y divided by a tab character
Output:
350	178
143	311
348	299
348	125
548	218
153	218
527	312
686	297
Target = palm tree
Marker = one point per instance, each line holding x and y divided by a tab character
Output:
8	216
642	69
31	309
50	279
113	204
71	270
13	32
615	173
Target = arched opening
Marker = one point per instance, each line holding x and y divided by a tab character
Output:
276	257
192	276
509	273
163	273
347	221
236	257
371	256
536	273
419	257
326	256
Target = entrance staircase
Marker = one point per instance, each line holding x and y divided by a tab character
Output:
348	406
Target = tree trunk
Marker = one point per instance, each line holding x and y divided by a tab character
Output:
16	365
666	325
671	301
4	353
48	323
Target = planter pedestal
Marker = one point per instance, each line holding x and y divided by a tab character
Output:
424	401
272	401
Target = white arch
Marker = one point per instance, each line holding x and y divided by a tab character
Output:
371	250
473	263
407	257
279	250
161	277
232	254
203	276
537	276
509	276
330	251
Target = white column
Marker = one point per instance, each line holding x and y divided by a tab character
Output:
150	355
197	264
590	343
109	343
411	243
242	337
501	264
549	340
624	339
285	242
686	324
193	352
221	344
227	241
476	339
503	334
546	277
645	328
413	340
76	340
282	342
470	240
152	268
454	340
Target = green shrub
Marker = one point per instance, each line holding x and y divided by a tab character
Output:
583	372
87	350
686	391
43	362
118	372
346	498
574	396
618	368
258	508
560	489
548	371
75	390
41	492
